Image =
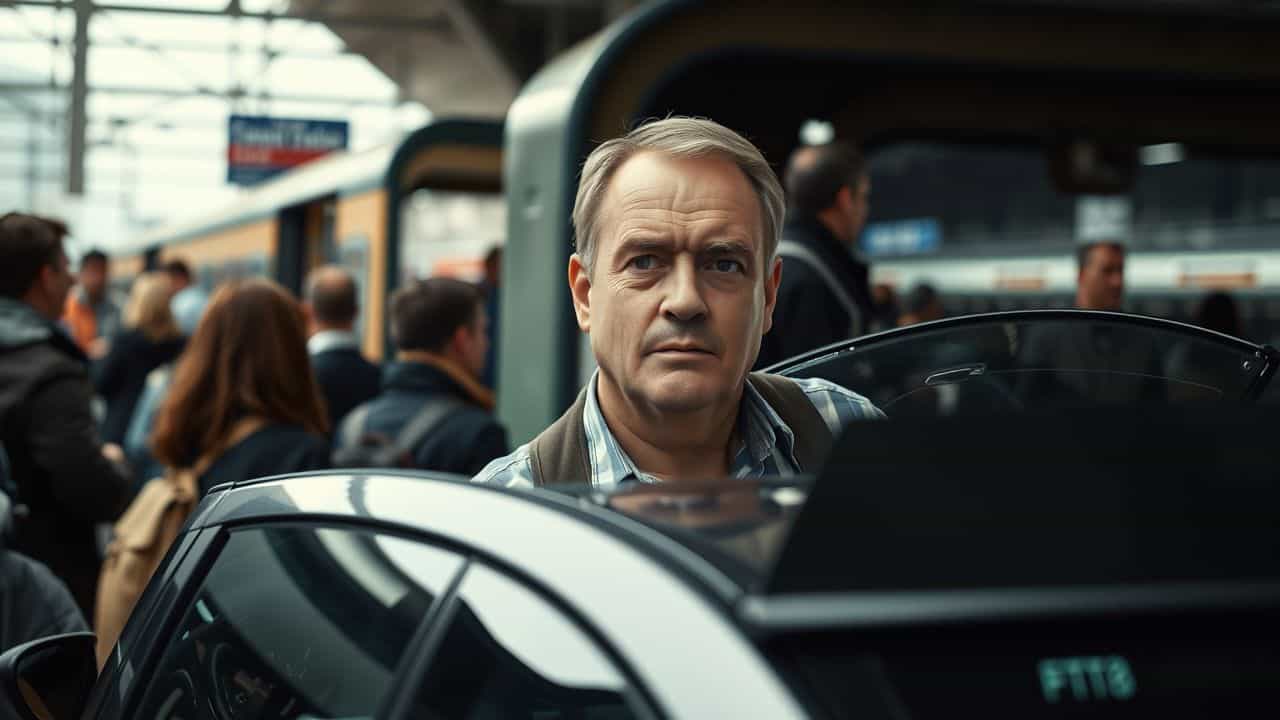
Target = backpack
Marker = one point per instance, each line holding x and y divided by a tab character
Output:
559	455
360	449
143	535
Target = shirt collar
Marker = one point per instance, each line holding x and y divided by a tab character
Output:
760	429
327	340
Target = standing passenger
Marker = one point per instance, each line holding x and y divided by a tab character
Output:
243	402
189	298
150	338
345	377
824	296
90	313
64	474
439	329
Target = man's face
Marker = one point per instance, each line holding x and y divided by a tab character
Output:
93	277
54	283
681	291
1101	280
859	207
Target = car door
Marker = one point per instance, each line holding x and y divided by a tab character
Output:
1042	359
291	620
503	649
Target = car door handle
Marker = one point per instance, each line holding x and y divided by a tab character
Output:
955	375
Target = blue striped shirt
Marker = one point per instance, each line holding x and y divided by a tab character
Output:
767	448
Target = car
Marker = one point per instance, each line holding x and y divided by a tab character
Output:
1089	560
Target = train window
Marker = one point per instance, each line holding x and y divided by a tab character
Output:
445	233
962	198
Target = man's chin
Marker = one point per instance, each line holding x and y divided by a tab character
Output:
683	391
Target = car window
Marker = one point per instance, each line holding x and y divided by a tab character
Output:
1000	364
507	653
296	622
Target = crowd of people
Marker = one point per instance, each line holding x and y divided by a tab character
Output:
679	306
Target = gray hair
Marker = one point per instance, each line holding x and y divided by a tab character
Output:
678	137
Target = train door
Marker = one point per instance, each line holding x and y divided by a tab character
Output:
306	241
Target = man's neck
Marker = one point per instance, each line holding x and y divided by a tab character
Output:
324	327
687	446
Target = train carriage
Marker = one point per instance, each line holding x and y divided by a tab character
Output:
430	204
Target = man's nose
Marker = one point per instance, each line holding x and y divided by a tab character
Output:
683	299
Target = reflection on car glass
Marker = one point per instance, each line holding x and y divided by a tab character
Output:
1041	363
271	633
510	654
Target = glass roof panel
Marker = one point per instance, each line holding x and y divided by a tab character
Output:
161	88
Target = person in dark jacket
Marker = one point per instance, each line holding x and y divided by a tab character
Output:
825	295
34	603
243	402
150	338
68	479
439	326
346	377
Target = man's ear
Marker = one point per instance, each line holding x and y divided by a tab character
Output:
580	288
771	282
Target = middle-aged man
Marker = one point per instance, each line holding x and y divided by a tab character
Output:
675	279
1100	276
64	474
345	376
90	313
825	295
432	400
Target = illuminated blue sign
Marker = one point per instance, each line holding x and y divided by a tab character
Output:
902	237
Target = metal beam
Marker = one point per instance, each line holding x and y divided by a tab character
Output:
402	23
76	119
473	32
9	39
200	92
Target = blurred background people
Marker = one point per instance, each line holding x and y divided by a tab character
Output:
68	479
492	287
90	314
922	305
1100	276
824	296
440	330
1219	312
189	299
243	402
885	309
149	338
34	603
346	378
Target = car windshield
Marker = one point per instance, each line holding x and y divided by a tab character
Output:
741	525
1036	360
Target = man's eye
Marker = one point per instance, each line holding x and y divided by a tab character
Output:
728	266
643	262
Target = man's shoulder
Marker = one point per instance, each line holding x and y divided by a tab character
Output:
838	405
513	470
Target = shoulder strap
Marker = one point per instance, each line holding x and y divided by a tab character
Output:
436	410
559	454
795	251
812	436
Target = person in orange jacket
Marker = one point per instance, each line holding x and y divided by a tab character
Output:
90	315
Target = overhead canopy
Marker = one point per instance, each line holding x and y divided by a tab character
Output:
460	57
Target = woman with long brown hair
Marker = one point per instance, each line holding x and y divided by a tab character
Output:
244	402
150	338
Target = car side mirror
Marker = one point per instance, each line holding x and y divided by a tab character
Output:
50	678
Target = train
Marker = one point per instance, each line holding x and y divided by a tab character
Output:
429	204
999	136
